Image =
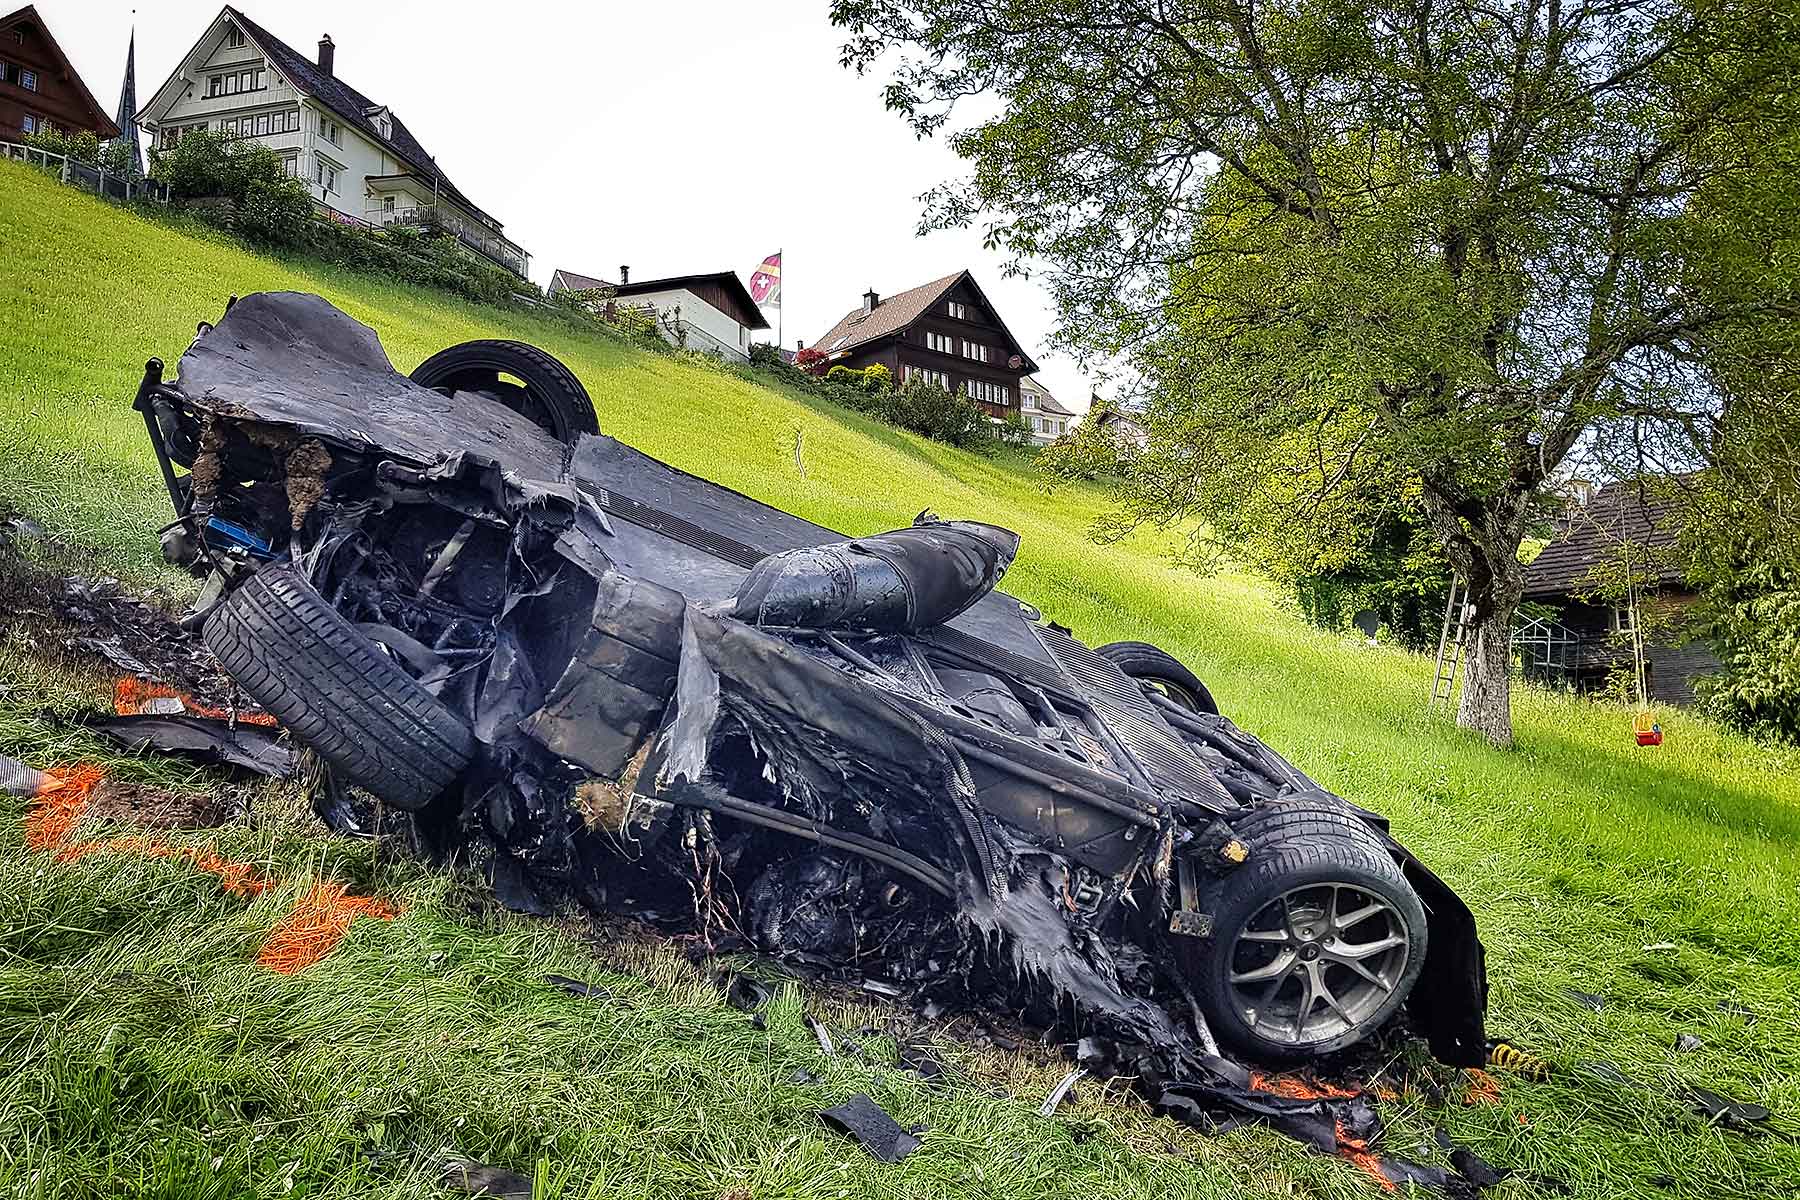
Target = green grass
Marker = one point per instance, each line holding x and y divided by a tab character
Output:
142	1044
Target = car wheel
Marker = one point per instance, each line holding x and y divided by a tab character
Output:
523	378
1317	940
1159	670
337	691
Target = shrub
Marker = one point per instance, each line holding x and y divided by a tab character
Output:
843	376
941	415
877	378
810	360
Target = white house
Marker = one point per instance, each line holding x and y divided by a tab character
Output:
360	161
702	312
1044	414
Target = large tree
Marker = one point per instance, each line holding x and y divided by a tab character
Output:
1418	254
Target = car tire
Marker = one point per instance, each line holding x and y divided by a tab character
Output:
1279	929
1156	668
336	691
551	396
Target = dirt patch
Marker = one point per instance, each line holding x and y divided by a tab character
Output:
152	808
306	468
205	474
80	622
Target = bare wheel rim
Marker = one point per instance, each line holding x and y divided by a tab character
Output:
1317	962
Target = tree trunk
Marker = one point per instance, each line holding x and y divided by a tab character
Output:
1485	555
1486	705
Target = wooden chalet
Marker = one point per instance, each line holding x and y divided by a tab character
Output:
1620	527
40	90
945	331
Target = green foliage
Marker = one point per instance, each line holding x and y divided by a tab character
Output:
240	185
938	414
1090	451
1379	262
877	378
842	376
115	158
1741	550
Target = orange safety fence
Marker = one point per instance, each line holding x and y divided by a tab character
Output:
133	696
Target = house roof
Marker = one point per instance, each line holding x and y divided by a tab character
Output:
1045	401
344	101
354	107
104	125
749	315
572	281
1621	518
894	314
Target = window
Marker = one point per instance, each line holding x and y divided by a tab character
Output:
234	37
215	86
291	166
29	123
959	311
988	393
975	350
943	343
331	131
929	376
387	204
28	80
327	176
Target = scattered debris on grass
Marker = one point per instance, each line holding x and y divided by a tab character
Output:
474	1179
252	748
862	1119
1064	1089
1586	999
1505	1055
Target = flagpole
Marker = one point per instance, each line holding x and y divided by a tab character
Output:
781	309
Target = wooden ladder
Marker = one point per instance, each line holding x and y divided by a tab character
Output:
1451	642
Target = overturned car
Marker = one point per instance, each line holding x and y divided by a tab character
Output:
594	673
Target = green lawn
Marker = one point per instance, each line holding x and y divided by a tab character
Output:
143	1045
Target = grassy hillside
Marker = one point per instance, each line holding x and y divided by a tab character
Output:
1666	879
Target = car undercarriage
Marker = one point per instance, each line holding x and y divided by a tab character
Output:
608	681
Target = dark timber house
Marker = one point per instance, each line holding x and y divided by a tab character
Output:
944	331
40	90
1621	526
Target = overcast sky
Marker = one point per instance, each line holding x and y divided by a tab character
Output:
680	136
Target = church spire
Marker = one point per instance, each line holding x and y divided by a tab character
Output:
127	118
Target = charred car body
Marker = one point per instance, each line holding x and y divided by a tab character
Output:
588	668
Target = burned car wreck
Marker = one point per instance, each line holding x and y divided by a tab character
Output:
591	672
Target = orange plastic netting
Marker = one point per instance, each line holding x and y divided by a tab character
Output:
61	799
311	930
131	695
316	925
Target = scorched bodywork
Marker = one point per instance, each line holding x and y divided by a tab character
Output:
597	675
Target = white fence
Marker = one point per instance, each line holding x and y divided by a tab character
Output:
84	176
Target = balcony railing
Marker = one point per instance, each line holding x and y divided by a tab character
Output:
470	233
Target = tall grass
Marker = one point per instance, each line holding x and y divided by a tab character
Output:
1664	878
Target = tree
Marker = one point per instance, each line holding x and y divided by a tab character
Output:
1413	258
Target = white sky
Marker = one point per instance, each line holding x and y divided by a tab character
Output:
680	136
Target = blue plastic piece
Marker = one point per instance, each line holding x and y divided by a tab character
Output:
259	547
